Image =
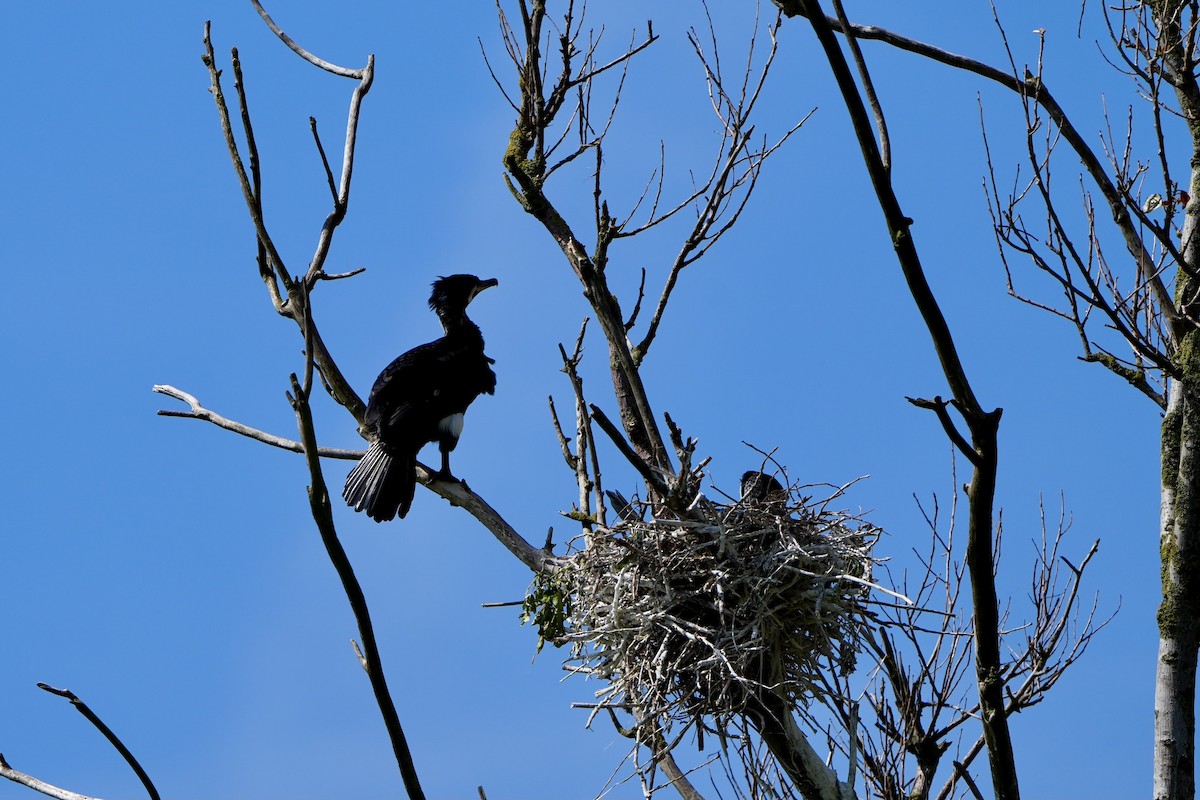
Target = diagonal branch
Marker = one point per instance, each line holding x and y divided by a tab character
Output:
653	479
197	411
938	406
113	739
455	492
356	74
37	785
1033	89
318	496
983	425
885	142
293	305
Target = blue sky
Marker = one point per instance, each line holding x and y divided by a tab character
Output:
169	572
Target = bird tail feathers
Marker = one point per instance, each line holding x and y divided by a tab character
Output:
382	484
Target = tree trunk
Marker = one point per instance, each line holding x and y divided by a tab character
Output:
1179	614
772	717
1179	543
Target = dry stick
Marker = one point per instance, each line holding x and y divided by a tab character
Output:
676	777
197	411
1036	90
275	261
270	273
356	74
885	143
318	498
250	183
47	789
938	406
456	492
342	198
961	772
983	425
648	474
528	171
91	717
583	444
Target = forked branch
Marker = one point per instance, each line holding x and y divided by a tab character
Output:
112	738
981	424
456	492
318	497
291	300
1033	90
50	790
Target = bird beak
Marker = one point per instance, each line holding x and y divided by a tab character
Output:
490	282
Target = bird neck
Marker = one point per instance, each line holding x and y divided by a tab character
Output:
456	322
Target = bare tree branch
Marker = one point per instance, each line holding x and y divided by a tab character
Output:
526	163
456	492
726	192
37	785
653	478
197	411
271	263
356	74
583	461
983	425
885	142
113	739
1035	90
322	513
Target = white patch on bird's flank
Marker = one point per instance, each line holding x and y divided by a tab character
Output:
451	425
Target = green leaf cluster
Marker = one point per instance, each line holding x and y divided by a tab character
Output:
548	606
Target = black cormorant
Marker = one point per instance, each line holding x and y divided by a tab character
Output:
421	397
759	488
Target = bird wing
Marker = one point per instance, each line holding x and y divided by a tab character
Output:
421	386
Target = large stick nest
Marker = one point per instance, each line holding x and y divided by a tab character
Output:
685	618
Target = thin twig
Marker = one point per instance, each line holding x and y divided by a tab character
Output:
982	424
199	412
1036	90
47	789
653	478
120	747
356	74
318	496
456	492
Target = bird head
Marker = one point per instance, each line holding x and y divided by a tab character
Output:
452	294
455	292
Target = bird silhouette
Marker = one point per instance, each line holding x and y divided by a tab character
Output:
419	398
759	488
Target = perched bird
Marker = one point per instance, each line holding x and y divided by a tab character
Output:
759	488
421	397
